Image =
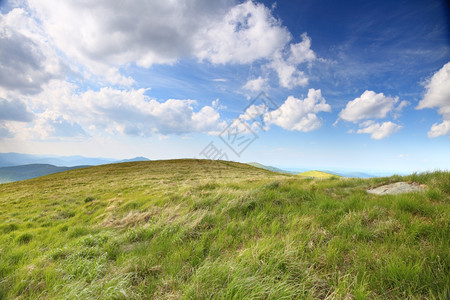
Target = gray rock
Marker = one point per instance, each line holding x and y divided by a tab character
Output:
397	188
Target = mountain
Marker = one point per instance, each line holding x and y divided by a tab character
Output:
139	158
357	175
16	173
317	174
17	159
269	168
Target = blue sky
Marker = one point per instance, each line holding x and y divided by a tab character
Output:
352	85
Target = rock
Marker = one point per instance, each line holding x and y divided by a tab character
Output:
397	188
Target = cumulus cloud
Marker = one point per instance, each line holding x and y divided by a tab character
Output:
14	111
134	113
252	120
113	35
26	61
52	124
369	105
286	66
248	32
217	105
124	111
379	131
288	75
437	96
439	129
293	114
297	114
256	85
301	52
43	40
159	32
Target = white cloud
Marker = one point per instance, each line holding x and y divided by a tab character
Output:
247	32
134	113
297	114
151	32
256	85
293	114
109	34
43	40
287	68
439	129
301	52
159	32
370	105
438	96
380	131
402	105
366	123
288	75
26	60
51	124
124	111
438	90
253	118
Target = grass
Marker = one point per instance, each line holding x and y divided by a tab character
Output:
318	174
210	229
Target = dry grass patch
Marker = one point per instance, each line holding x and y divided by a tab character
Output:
133	218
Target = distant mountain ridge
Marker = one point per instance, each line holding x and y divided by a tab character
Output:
139	158
23	172
16	159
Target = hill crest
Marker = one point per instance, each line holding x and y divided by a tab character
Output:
317	174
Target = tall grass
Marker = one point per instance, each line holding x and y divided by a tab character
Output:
205	229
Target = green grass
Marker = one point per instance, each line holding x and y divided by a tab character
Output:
209	229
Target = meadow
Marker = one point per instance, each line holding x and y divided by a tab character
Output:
199	229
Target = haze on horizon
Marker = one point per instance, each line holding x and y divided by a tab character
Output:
352	85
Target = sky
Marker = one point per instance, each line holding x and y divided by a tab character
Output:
313	84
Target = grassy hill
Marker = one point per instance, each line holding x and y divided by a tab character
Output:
317	174
211	229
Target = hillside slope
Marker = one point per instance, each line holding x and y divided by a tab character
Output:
269	168
211	229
